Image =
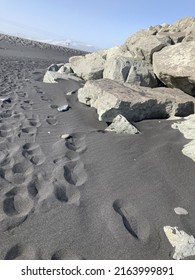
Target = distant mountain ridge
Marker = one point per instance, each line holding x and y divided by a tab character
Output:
51	44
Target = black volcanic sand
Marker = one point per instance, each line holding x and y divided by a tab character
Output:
94	195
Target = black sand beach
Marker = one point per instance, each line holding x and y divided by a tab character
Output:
94	195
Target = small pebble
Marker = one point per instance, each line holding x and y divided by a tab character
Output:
63	108
70	92
180	211
64	136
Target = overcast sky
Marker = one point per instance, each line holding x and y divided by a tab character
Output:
102	23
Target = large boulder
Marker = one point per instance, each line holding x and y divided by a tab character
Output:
129	70
144	43
135	103
175	66
88	67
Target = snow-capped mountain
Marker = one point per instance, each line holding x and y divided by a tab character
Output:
71	44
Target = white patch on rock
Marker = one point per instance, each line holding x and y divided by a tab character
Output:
180	211
183	243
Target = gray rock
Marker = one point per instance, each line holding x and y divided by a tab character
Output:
135	103
65	136
70	92
63	108
183	243
54	67
88	67
117	51
144	44
129	70
187	128
52	77
65	68
175	65
6	98
120	125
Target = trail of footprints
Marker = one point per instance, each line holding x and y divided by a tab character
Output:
73	170
21	251
21	189
17	136
21	192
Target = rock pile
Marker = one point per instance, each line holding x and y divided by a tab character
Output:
151	75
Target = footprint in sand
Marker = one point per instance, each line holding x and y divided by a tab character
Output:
7	163
40	187
21	172
67	194
11	148
33	152
74	173
29	130
16	173
3	155
76	142
22	94
26	105
22	252
6	131
6	114
51	120
64	254
34	120
53	106
18	117
15	207
27	133
135	223
17	204
10	122
45	98
69	156
38	90
72	156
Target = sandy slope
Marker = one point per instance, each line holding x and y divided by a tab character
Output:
94	195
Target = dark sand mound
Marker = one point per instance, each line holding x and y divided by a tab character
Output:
92	195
